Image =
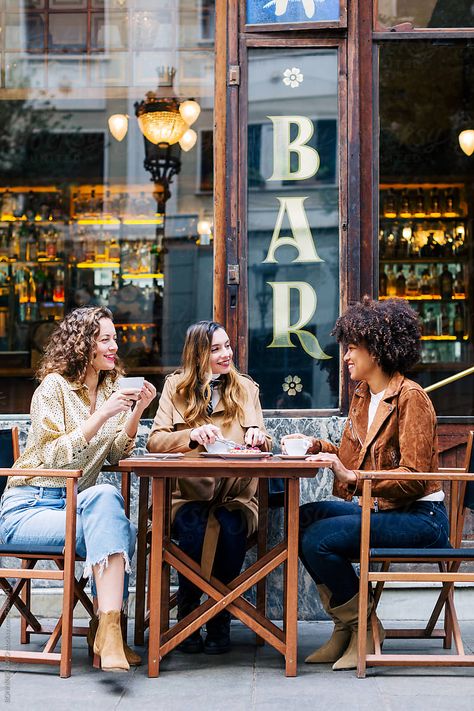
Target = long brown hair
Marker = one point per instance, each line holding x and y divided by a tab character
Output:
72	345
196	375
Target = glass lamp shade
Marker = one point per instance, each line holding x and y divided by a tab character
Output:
162	126
118	126
204	227
188	140
190	111
466	141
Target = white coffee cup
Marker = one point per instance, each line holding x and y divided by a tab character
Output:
297	446
131	383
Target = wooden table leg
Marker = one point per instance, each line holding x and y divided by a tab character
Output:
140	584
165	578
291	610
156	566
262	533
364	583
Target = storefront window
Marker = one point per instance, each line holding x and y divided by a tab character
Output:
425	13
427	205
293	226
91	211
262	12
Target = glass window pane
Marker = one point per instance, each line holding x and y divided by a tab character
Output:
82	221
426	13
426	203
293	227
259	12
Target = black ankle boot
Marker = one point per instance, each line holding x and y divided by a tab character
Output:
192	644
218	634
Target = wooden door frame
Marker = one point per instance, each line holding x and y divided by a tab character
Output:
356	219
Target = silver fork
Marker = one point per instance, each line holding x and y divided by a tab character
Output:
229	442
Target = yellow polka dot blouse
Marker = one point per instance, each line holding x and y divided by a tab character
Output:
55	440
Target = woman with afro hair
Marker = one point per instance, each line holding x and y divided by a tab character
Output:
391	426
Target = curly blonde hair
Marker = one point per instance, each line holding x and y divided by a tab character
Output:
72	345
196	376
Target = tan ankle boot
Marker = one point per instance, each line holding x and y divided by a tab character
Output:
336	645
108	643
349	615
132	657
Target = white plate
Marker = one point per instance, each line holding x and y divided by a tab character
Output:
159	455
237	455
292	456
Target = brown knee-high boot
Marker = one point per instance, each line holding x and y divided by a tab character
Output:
108	643
336	645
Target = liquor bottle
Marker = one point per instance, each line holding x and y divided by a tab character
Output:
435	208
430	322
401	282
458	286
58	291
381	244
390	246
389	203
451	204
8	205
412	283
31	245
114	250
107	205
391	282
420	203
445	321
14	243
405	210
41	248
19	210
448	246
446	283
434	280
425	283
30	208
459	323
431	249
51	249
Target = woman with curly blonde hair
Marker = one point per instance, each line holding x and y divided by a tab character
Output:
79	419
206	400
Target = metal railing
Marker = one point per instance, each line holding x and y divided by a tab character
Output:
451	379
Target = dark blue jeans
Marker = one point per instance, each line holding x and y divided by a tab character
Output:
330	538
189	527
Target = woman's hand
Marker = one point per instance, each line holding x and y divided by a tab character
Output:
255	437
146	395
205	434
296	435
119	401
332	461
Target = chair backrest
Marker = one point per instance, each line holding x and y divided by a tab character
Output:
9	452
469	492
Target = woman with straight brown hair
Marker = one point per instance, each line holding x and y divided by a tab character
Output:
208	399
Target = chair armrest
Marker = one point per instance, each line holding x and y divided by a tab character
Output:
448	475
51	473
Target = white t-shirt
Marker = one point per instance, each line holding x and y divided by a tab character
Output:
375	399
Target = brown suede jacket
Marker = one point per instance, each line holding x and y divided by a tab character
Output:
402	437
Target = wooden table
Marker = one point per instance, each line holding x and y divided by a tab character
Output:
164	553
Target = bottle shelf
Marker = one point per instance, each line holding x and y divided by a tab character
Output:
424	260
444	338
423	218
426	297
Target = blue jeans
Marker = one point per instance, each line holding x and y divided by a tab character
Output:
330	538
189	527
37	515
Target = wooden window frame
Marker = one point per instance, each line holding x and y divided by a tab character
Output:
293	26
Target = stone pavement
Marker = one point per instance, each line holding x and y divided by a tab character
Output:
246	679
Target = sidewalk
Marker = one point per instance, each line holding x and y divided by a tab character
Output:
248	678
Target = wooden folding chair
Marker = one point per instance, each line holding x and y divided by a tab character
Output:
18	594
448	561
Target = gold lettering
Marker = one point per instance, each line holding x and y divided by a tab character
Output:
282	326
301	239
283	147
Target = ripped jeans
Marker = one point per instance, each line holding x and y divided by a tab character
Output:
33	515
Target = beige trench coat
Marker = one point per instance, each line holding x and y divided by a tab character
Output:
170	433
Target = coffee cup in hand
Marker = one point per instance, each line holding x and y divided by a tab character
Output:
297	447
